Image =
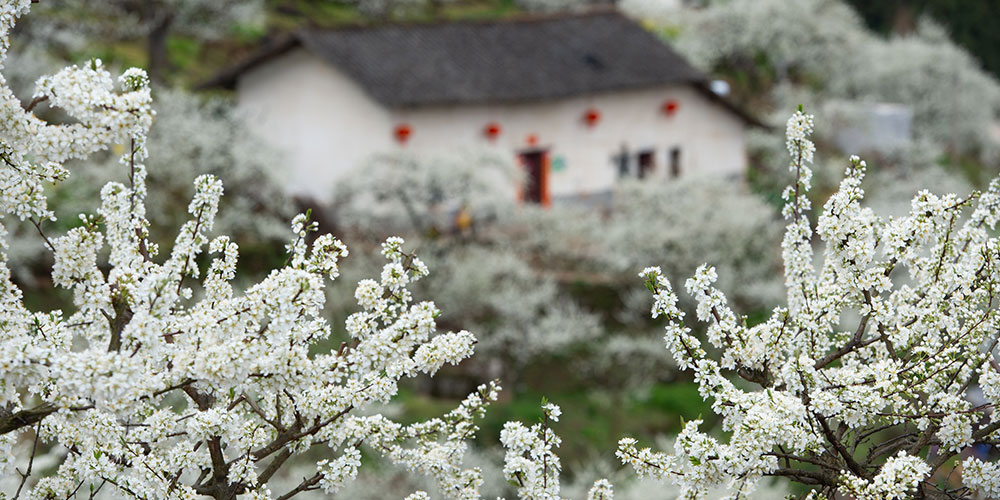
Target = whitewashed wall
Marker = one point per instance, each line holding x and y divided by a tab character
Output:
324	122
328	125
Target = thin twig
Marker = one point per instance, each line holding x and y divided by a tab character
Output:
40	99
31	461
38	226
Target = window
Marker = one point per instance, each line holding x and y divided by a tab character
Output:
675	162
642	164
647	163
621	162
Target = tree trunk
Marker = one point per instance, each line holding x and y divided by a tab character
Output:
904	19
159	60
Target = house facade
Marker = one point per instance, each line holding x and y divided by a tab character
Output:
579	101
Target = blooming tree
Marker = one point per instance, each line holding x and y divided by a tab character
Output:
531	463
192	136
680	224
558	5
684	222
786	39
459	209
68	25
818	51
389	8
954	100
861	384
386	9
426	195
162	381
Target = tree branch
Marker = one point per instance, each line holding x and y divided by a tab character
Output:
306	485
12	421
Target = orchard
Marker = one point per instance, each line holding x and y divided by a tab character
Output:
164	380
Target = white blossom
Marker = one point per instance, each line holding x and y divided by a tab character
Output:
151	379
859	349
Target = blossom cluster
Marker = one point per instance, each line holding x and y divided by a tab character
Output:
531	463
888	331
33	150
165	381
460	208
821	52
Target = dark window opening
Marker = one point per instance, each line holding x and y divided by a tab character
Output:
647	163
675	163
621	161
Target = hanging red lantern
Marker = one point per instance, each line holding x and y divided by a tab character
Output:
492	130
670	106
592	116
402	132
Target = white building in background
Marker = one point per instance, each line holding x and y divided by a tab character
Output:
864	127
580	100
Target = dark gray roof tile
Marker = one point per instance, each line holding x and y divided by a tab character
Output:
492	62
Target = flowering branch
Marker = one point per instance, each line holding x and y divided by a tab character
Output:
161	392
826	392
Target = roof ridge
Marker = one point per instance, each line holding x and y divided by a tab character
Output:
524	59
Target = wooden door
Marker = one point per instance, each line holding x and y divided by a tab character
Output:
536	177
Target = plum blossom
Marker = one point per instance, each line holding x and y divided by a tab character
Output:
886	331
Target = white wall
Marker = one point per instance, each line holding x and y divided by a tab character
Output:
330	125
324	122
711	139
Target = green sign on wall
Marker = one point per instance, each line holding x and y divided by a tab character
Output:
558	163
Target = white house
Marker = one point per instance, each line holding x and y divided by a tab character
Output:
580	100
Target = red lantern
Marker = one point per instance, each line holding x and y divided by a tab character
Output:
592	116
532	139
671	106
492	130
402	132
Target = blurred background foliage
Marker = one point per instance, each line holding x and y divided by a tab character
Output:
963	19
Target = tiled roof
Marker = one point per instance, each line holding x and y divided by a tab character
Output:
500	61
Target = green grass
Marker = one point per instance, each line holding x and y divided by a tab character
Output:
968	167
184	52
47	298
592	421
675	403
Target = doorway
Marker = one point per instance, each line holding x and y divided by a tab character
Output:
535	188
